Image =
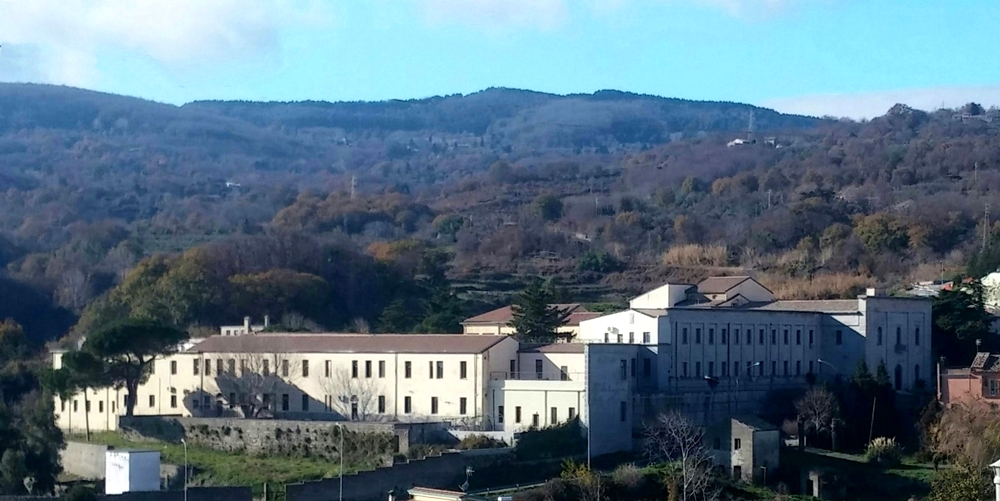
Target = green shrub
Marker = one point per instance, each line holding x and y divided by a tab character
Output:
884	451
558	441
480	442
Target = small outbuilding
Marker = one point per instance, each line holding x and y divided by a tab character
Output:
745	446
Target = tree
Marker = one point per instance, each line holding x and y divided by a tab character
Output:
818	409
881	232
549	207
960	318
255	377
396	317
675	438
128	349
30	441
534	319
353	395
443	313
81	371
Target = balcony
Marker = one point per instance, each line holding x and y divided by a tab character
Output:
536	376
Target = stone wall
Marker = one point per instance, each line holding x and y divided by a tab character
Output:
84	460
492	467
193	494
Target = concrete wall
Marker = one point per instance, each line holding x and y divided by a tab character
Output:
606	329
608	393
524	402
910	320
84	460
442	472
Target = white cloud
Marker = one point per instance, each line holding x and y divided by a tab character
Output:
496	14
66	35
751	8
874	104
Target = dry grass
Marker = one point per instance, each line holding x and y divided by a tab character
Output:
832	286
696	255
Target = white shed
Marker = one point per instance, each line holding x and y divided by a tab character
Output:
131	471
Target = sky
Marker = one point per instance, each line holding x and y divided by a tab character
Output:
844	58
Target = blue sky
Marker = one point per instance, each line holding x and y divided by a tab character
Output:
838	57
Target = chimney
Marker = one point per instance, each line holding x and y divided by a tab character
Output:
246	325
874	292
267	321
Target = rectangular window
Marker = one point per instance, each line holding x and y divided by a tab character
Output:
736	369
75	406
62	405
267	367
774	336
284	368
231	366
632	371
798	367
462	402
916	337
243	366
152	401
606	338
305	368
572	413
840	336
810	367
434	405
513	368
810	337
100	406
553	415
725	370
440	370
208	367
786	367
798	337
563	373
994	387
619	338
725	336
407	405
354	369
462	370
284	402
381	404
152	367
328	368
500	414
646	338
684	336
760	368
737	444
173	367
684	369
760	338
430	370
697	336
711	369
407	370
774	368
368	368
647	367
749	336
218	367
622	411
631	337
86	404
534	420
381	369
305	403
196	367
697	370
786	337
711	336
517	414
623	366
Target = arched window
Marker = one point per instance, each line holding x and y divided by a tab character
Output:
916	337
880	336
899	335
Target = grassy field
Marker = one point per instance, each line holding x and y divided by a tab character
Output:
211	467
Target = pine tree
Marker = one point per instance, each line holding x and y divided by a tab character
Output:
443	312
882	376
535	320
396	318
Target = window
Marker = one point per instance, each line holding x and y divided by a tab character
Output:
62	405
606	338
749	369
218	367
563	373
786	337
267	367
760	338
434	405
407	405
810	367
786	367
462	402
208	367
305	368
572	413
760	368
86	404
899	335
152	401
749	336
840	337
440	370
623	365
994	387
553	415
513	368
305	403
114	405
736	369
381	404
284	402
697	336
517	414
265	401
647	367
711	336
684	369
328	368
646	338
711	369
195	366
774	336
152	367
368	369
798	367
381	369
243	366
632	368
173	367
500	414
879	337
231	366
534	420
631	337
232	400
736	444
75	406
798	337
618	338
538	369
354	369
916	373
697	369
100	406
725	370
462	370
407	370
622	411
430	370
684	336
810	337
916	336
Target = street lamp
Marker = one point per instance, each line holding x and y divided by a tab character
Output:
824	362
996	479
185	469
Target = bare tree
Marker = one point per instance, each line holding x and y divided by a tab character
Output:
353	395
74	289
255	378
818	408
674	437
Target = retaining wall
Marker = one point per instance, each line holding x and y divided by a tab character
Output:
84	460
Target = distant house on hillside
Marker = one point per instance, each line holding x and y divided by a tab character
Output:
246	328
497	321
977	384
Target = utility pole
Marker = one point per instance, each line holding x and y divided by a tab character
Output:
986	226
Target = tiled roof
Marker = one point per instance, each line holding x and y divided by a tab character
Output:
552	348
986	362
822	305
579	316
347	343
720	285
755	423
506	314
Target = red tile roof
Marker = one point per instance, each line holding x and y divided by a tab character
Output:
720	285
504	315
348	343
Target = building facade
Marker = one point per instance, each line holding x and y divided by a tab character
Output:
978	384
